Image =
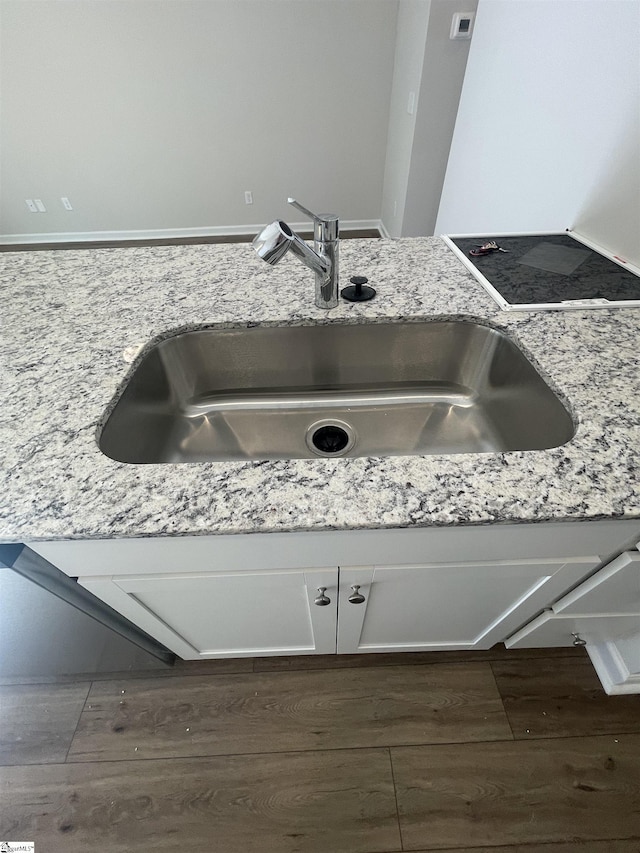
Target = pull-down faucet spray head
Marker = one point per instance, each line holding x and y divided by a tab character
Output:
274	241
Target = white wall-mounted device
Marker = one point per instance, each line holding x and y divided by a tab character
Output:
462	25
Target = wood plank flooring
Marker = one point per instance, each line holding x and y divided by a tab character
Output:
36	724
502	751
493	793
284	712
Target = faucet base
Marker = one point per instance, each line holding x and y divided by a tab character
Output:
327	283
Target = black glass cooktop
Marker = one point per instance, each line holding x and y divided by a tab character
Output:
551	268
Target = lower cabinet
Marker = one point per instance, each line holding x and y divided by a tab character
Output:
603	614
387	590
445	606
348	609
235	614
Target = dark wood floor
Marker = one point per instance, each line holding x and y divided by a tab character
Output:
518	752
353	233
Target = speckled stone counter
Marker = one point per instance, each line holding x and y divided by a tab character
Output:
74	321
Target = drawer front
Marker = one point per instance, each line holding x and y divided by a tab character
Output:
551	631
615	589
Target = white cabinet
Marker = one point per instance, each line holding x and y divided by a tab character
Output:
603	612
231	614
348	610
432	588
605	605
615	589
444	606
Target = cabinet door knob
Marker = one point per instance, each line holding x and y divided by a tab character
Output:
577	639
322	600
356	597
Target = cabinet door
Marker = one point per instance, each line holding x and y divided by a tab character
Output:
604	612
614	589
611	641
447	606
237	614
551	631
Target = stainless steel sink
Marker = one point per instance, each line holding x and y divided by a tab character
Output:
333	390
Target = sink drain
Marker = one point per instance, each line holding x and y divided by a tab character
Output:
330	438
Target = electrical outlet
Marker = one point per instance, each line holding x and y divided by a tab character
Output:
248	197
31	205
39	205
66	203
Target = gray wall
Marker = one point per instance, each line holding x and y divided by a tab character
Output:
413	23
154	115
548	130
431	66
443	71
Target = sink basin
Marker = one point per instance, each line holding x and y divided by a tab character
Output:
292	392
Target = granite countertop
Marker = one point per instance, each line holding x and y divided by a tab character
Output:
75	320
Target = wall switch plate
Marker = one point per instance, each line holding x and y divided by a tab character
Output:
462	25
66	203
248	197
39	205
31	205
411	103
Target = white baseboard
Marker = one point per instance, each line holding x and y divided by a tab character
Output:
171	233
382	228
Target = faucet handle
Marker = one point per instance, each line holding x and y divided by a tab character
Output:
302	209
326	224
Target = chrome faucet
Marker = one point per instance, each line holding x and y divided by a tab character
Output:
274	241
